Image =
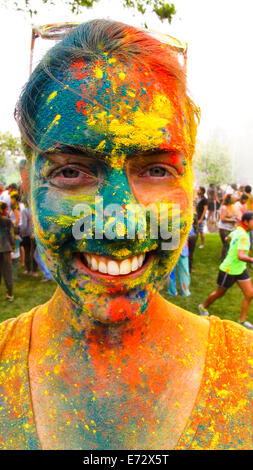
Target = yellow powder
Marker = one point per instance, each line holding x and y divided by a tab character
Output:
54	122
122	75
112	61
101	146
98	72
52	96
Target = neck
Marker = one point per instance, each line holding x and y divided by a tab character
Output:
244	226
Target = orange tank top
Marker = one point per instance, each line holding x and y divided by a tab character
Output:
221	417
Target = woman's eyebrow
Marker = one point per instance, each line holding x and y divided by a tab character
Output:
151	152
69	150
157	151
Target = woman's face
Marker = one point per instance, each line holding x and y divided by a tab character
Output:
113	140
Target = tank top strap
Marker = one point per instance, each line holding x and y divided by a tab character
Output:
212	364
17	425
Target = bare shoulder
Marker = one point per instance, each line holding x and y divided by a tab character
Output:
182	315
193	329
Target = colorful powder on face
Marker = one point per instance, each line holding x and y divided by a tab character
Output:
118	112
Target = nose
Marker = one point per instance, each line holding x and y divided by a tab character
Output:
116	189
117	198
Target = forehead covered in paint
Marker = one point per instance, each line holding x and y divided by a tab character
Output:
112	107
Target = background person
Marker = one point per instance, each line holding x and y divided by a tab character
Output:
15	212
227	223
241	206
5	197
47	276
1	190
234	269
7	245
211	199
15	255
235	192
240	191
192	239
28	242
202	207
247	191
181	271
220	197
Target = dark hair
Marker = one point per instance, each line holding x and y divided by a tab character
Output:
89	42
247	189
248	215
16	196
243	198
12	186
202	189
3	206
227	200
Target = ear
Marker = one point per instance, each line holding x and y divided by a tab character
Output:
25	182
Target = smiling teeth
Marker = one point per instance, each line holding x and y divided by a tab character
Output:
113	267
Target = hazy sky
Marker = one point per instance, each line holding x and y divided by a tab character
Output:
220	71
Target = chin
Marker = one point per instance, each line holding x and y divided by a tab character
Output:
108	299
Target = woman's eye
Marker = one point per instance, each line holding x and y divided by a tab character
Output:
70	173
74	174
69	177
157	171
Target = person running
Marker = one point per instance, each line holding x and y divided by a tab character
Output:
202	207
234	269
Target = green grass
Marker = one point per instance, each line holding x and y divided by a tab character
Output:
29	291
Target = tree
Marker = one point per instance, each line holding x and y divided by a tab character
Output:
164	10
213	162
10	150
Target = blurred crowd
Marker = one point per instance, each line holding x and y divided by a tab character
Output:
17	242
222	208
216	208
